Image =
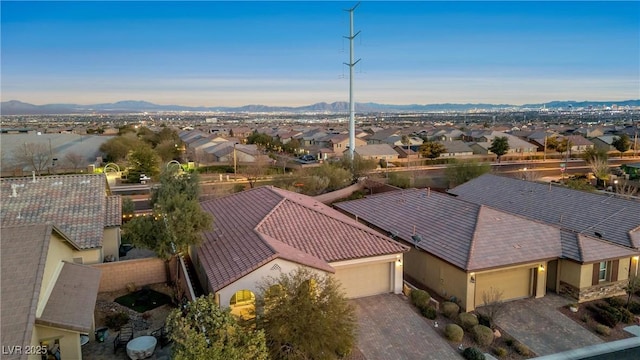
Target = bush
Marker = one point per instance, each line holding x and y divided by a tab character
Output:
472	353
508	341
585	318
615	302
450	309
420	298
482	335
467	320
634	307
522	349
116	320
611	316
484	320
453	332
429	312
500	352
603	330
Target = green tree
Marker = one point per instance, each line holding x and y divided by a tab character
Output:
460	172
400	180
168	150
432	149
204	331
499	146
292	146
305	315
563	146
177	220
128	207
622	143
117	148
143	160
598	162
358	166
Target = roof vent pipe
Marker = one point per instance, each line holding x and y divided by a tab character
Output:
428	191
33	174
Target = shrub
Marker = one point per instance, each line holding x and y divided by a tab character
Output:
522	349
420	298
500	352
467	320
429	312
482	335
453	332
450	309
508	341
472	353
634	307
116	320
606	314
603	330
585	318
615	302
484	320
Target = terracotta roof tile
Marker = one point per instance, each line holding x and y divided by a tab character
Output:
253	227
73	298
113	213
76	204
23	255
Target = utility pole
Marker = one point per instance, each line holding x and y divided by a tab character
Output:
352	105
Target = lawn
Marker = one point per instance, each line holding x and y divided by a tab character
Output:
143	300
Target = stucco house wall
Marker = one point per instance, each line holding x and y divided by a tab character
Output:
69	341
111	242
576	280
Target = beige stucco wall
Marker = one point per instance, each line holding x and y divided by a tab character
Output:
436	274
116	275
111	242
89	256
59	250
251	280
571	273
69	341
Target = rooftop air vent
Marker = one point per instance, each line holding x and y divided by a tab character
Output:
416	238
598	235
393	234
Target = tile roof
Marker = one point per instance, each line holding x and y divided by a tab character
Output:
23	252
76	204
256	226
376	150
612	218
467	235
72	299
113	213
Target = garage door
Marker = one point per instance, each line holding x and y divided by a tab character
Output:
365	280
515	283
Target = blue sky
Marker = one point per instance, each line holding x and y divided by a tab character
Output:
292	53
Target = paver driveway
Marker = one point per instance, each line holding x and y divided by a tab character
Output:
538	324
390	329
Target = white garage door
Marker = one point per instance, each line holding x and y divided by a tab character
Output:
365	280
515	283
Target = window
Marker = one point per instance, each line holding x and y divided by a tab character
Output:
602	274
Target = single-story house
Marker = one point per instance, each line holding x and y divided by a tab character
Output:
461	249
456	148
47	299
377	152
607	229
79	205
604	142
266	231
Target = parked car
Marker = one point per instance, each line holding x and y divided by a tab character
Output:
307	158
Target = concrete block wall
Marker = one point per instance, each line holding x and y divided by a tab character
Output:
116	275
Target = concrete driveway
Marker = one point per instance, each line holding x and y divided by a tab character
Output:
538	324
389	328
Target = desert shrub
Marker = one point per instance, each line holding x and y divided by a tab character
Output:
420	298
116	320
429	312
603	330
500	352
611	316
472	353
482	335
484	320
626	316
450	309
585	318
615	302
634	307
522	349
467	320
508	341
453	332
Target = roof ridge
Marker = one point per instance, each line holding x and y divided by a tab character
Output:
473	238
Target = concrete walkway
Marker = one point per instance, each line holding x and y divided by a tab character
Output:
389	328
538	324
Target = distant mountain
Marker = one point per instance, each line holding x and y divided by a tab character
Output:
15	107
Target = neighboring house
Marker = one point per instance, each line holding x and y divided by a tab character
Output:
605	227
579	144
378	151
381	136
462	249
409	152
339	143
456	148
47	299
267	231
604	142
483	141
79	205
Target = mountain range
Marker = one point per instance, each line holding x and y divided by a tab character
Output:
15	107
